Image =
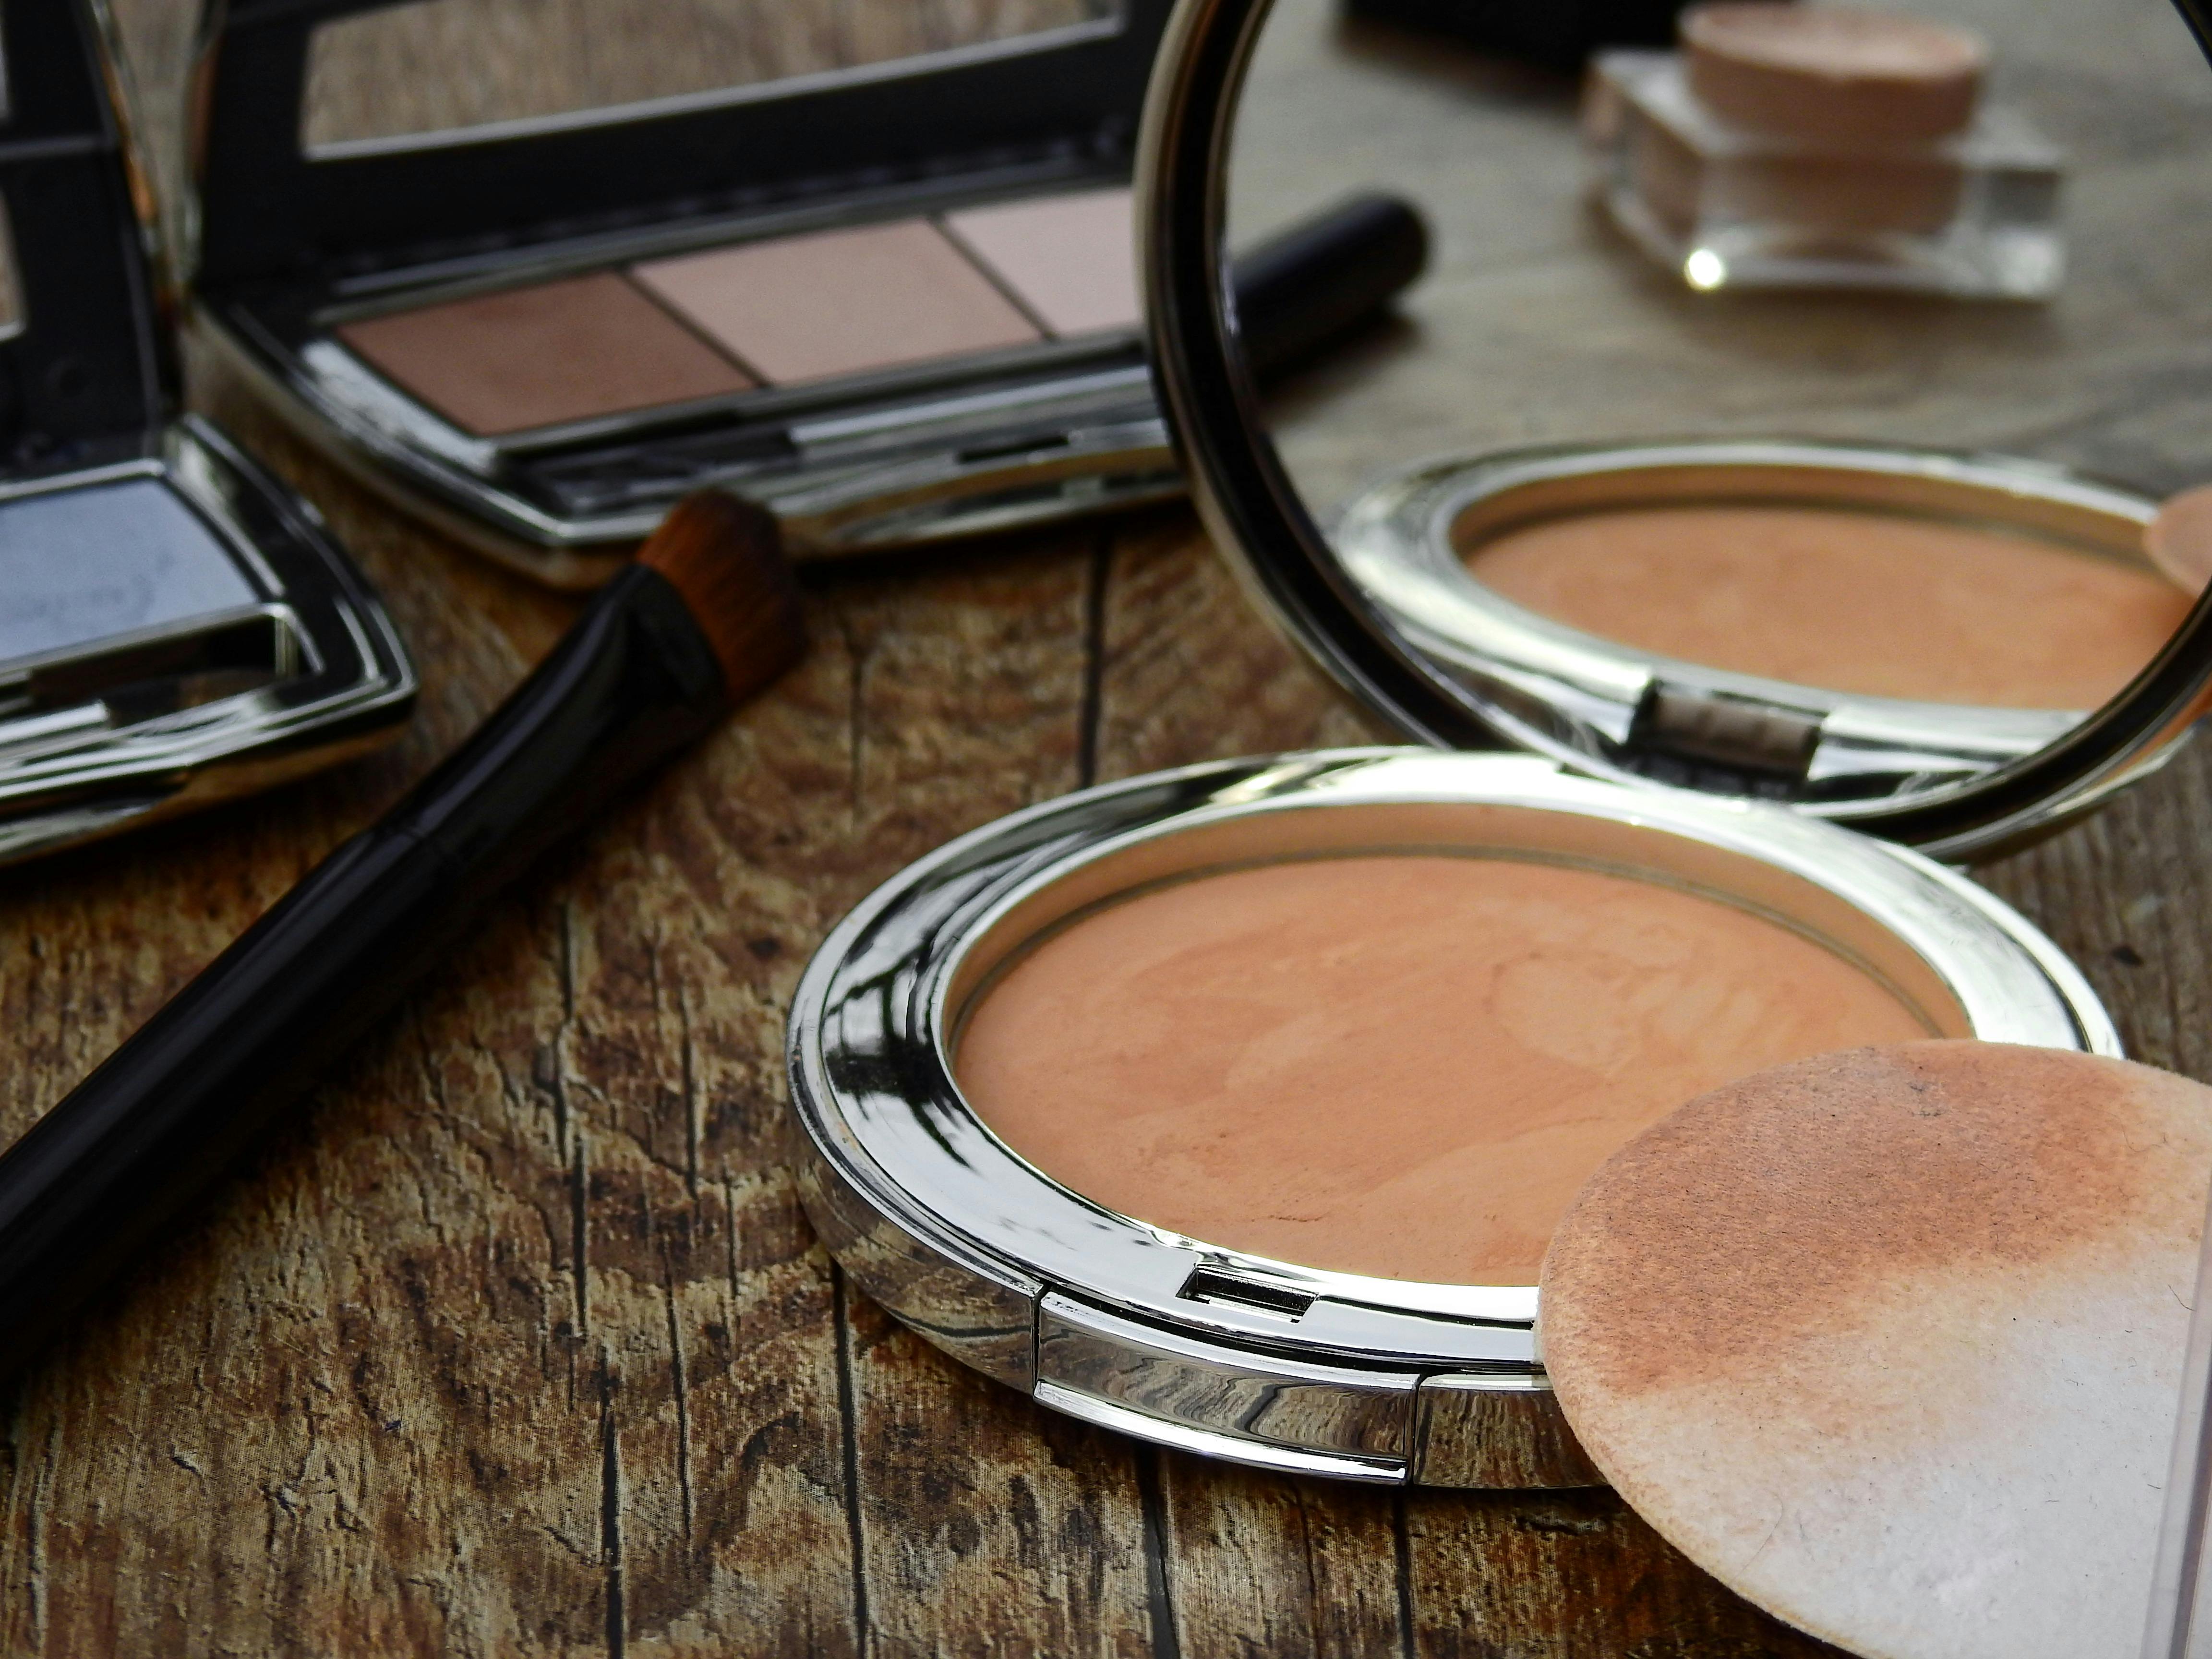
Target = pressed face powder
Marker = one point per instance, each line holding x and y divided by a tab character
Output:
1880	605
1399	1066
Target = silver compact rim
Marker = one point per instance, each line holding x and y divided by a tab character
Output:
1238	1356
1252	505
1618	712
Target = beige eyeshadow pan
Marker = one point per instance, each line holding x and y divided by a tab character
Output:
1397	1065
1872	604
1070	259
840	301
560	351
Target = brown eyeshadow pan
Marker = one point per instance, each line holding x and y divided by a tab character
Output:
840	301
566	350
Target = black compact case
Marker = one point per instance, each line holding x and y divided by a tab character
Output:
175	626
296	239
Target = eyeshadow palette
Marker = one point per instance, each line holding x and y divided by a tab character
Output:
895	301
176	627
784	312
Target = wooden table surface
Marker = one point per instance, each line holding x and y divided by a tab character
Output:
516	1340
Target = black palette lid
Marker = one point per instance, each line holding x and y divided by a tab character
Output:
270	209
86	370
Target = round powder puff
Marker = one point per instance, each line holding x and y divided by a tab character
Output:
2179	539
1835	74
1890	1341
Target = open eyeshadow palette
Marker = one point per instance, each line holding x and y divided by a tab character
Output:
894	299
790	312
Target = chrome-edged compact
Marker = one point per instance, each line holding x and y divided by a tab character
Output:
1238	1356
1658	770
296	239
1614	711
1305	580
178	627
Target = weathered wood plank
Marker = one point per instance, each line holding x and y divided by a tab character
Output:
2127	895
1568	1574
984	1525
517	1341
1188	671
1290	1569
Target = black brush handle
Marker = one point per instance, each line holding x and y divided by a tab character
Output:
1306	284
117	1160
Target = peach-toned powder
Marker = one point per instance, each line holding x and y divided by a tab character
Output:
1401	1066
1870	603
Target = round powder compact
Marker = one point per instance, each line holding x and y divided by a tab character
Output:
1234	1107
1841	626
1891	1341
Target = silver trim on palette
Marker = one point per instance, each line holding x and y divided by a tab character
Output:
932	466
1216	1350
76	774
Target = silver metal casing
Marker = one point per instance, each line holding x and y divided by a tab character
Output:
1211	1350
1385	654
77	763
1615	711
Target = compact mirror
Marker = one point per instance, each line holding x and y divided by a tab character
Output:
1784	406
469	64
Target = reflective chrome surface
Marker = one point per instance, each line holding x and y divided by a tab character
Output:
1614	342
1618	712
75	763
1241	1355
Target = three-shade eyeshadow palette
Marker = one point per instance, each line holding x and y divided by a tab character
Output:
779	315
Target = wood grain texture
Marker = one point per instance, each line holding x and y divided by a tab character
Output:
515	1341
537	57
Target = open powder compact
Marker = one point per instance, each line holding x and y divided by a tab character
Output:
880	277
1235	1107
1828	623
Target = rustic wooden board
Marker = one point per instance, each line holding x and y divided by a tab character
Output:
516	1342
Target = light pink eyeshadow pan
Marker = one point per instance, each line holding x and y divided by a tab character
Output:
839	301
1069	258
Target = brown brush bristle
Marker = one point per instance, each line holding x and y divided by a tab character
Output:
725	557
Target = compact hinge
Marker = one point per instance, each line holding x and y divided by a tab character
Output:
1727	731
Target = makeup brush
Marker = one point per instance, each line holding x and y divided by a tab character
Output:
707	615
